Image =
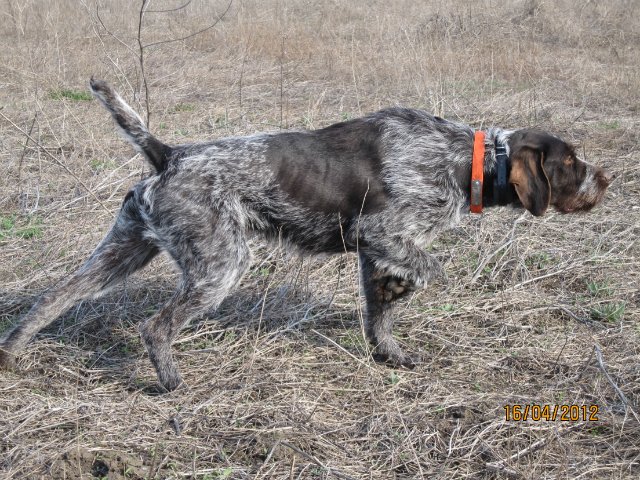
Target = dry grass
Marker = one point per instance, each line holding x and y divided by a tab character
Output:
280	381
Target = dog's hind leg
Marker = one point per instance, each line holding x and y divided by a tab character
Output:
381	290
123	251
212	265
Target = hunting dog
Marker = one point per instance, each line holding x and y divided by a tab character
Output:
382	186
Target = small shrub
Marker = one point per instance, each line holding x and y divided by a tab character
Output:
613	125
610	312
184	107
7	224
599	289
75	95
33	231
538	261
393	379
99	165
10	229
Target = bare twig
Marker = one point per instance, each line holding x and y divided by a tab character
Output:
56	161
24	151
584	366
571	314
141	60
501	466
220	17
335	344
487	259
244	61
118	39
313	459
184	5
508	241
284	37
619	392
267	460
554	273
142	47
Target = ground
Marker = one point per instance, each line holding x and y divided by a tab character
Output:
280	382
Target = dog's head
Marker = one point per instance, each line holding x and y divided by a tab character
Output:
546	171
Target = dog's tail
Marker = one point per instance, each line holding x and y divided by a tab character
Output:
131	125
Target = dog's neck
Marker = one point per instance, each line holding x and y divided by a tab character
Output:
497	190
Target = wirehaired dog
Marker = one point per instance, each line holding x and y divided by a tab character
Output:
381	186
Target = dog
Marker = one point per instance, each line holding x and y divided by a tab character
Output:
381	186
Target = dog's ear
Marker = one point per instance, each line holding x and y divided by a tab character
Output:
530	180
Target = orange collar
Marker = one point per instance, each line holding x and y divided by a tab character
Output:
477	172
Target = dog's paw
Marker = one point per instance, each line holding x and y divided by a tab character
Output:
7	360
170	382
396	358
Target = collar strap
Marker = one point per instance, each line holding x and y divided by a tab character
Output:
501	191
477	172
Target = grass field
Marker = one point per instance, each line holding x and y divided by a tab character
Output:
280	383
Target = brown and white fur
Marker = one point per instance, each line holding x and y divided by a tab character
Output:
382	186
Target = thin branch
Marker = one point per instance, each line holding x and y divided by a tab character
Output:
220	17
141	61
267	460
184	5
501	466
56	161
572	315
122	42
335	344
284	37
142	47
620	393
24	151
329	470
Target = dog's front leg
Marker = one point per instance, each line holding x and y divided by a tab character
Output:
381	291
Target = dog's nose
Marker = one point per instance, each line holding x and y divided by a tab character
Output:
605	178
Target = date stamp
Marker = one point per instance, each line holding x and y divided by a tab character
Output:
564	413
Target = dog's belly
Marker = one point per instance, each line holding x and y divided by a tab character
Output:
310	231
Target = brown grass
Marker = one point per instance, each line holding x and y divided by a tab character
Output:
280	381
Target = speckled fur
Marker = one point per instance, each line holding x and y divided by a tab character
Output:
382	185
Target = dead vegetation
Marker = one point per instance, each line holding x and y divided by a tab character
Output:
280	383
